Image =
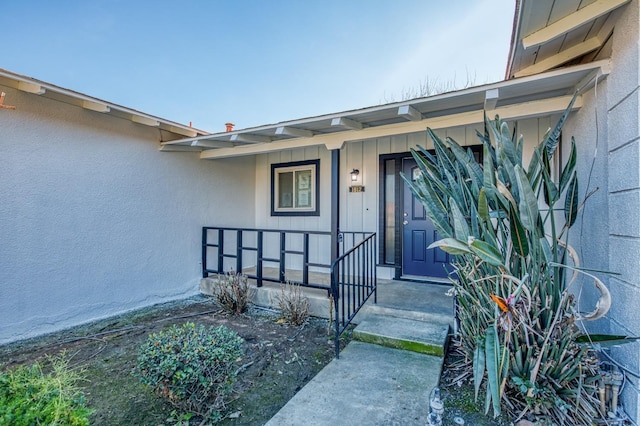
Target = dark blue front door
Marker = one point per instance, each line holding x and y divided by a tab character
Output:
418	233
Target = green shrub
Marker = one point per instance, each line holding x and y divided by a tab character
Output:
28	396
232	292
192	366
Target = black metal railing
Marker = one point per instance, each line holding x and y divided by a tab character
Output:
253	251
353	281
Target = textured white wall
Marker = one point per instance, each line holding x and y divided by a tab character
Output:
590	234
623	156
95	221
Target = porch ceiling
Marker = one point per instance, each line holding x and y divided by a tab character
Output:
531	96
552	33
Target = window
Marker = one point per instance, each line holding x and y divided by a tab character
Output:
294	188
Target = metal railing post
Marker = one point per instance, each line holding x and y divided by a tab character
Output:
283	255
239	252
220	250
205	274
259	260
305	259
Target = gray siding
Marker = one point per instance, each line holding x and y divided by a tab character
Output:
623	156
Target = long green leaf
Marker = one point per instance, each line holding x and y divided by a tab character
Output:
468	162
460	225
546	249
434	207
606	340
528	204
451	246
475	229
487	253
483	207
571	202
508	146
553	137
492	355
478	365
568	169
550	191
518	234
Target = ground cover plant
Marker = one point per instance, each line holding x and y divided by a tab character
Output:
512	263
278	360
43	395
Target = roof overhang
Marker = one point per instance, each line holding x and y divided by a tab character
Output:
554	33
533	96
26	84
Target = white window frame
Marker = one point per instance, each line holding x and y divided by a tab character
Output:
299	188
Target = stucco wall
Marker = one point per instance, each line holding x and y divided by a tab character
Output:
623	157
94	220
590	234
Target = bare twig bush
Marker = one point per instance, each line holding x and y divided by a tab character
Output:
293	304
429	86
233	293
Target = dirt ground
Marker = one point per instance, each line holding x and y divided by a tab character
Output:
458	394
278	360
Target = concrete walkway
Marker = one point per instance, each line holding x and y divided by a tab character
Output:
375	383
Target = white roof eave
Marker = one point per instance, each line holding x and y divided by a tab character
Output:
540	94
41	88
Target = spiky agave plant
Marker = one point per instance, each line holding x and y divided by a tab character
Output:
501	221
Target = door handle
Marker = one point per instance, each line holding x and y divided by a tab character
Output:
405	222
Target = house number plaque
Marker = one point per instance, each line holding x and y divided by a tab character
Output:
356	188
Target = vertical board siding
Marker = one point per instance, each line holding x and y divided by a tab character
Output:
367	153
359	211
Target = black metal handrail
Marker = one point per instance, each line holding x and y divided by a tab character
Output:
353	281
237	248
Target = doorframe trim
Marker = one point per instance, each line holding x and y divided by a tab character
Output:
398	199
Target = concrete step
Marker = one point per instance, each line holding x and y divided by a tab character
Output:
430	315
426	337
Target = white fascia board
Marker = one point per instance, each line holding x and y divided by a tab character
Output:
335	140
29	85
572	21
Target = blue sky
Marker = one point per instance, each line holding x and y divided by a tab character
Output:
254	62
